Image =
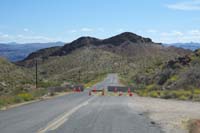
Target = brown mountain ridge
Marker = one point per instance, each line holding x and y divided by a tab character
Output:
126	43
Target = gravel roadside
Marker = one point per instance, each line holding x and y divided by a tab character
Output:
172	115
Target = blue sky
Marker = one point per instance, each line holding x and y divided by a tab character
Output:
167	21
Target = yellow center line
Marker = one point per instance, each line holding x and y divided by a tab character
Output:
62	119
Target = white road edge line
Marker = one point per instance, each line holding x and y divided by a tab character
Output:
62	119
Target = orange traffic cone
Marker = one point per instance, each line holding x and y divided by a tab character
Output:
94	90
129	90
120	93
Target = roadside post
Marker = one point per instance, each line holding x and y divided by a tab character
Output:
115	90
90	93
103	92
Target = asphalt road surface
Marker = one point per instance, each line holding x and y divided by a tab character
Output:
78	113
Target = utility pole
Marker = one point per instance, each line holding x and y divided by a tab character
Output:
36	73
79	76
88	59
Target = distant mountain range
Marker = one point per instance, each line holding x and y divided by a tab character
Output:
15	52
192	46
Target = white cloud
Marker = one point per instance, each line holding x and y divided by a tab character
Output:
4	35
24	38
177	36
26	29
172	33
86	29
101	29
120	30
189	5
151	31
194	32
72	31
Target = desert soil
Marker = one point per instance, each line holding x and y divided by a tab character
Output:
172	116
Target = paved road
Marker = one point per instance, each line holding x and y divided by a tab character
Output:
78	113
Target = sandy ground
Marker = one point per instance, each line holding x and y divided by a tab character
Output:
171	115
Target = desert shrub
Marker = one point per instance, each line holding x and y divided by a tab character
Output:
164	76
167	95
195	61
17	90
2	103
191	77
174	78
152	87
17	99
197	91
183	97
178	94
39	92
149	70
47	84
154	94
196	97
142	93
26	96
140	86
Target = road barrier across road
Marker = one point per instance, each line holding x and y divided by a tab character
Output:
120	88
77	88
102	92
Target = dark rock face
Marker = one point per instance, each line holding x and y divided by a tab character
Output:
124	37
197	52
180	60
81	42
121	39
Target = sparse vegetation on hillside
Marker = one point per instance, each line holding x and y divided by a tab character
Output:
14	82
13	78
178	78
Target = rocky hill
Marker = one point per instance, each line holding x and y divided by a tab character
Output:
176	78
125	43
13	78
87	57
123	39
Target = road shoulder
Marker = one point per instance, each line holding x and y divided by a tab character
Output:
171	115
34	101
